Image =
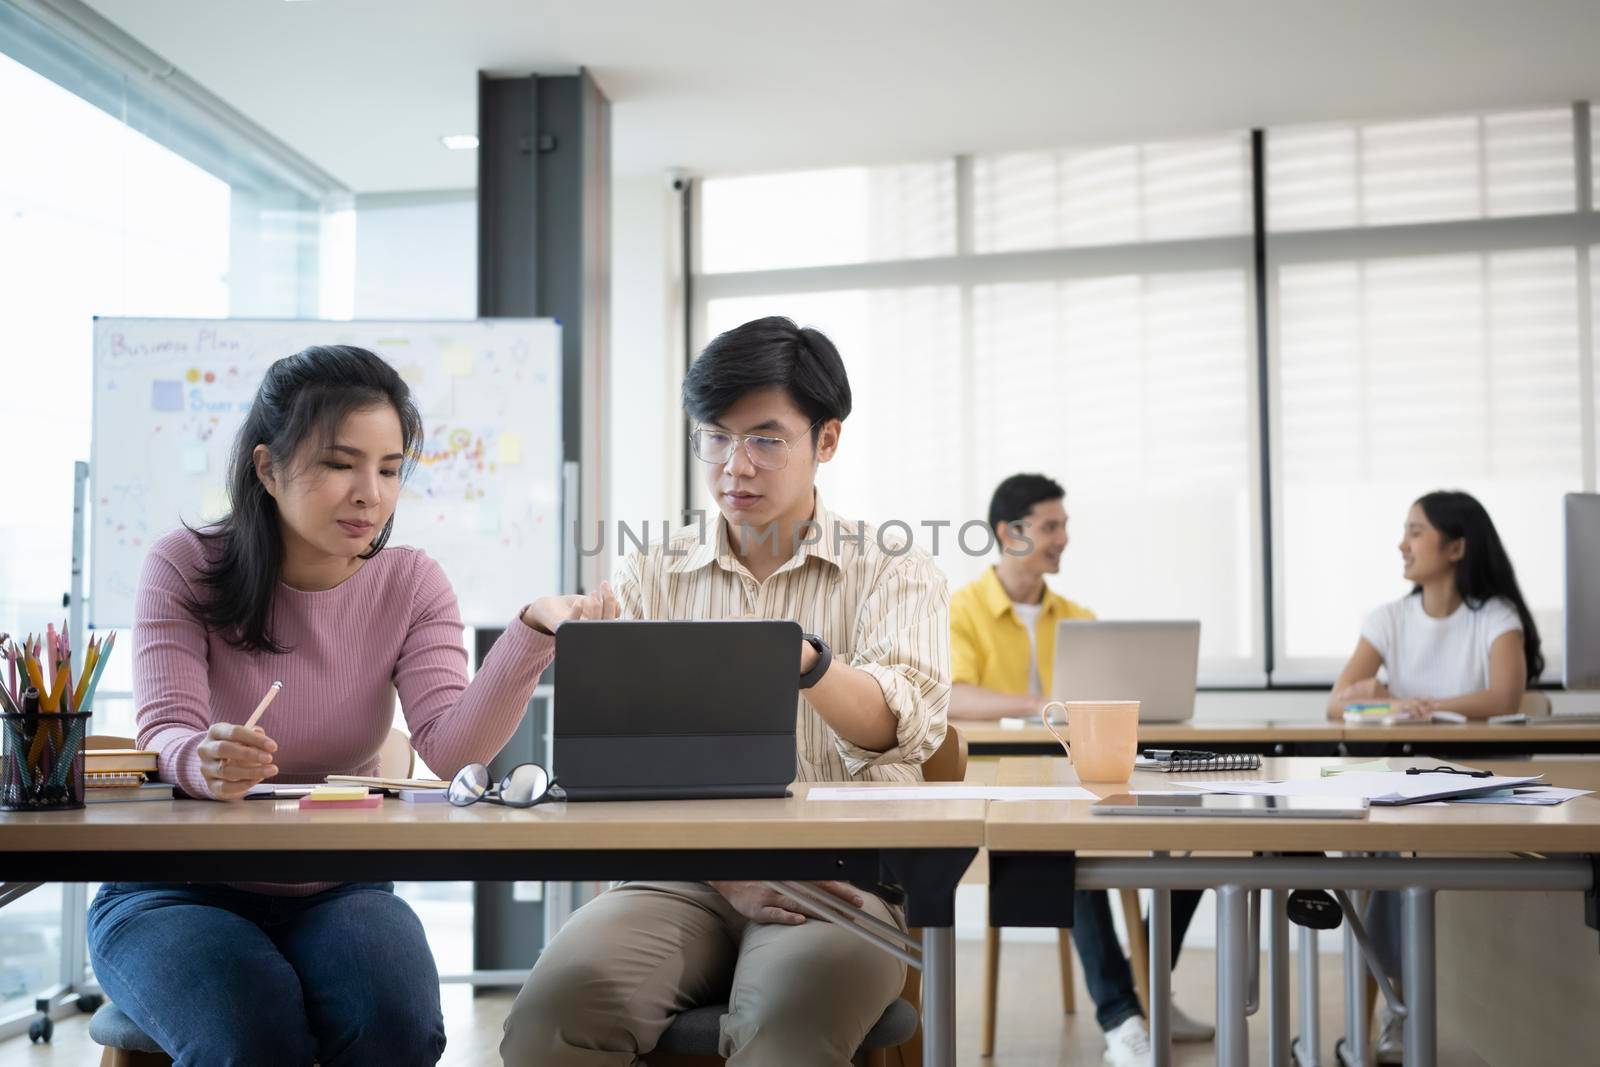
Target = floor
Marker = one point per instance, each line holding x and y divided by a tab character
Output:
1032	1031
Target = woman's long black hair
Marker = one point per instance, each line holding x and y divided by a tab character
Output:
302	397
1485	570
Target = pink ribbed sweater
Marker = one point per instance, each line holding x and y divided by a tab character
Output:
393	625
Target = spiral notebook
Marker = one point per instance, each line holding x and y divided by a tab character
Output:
1191	760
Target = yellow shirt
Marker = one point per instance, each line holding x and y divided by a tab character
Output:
989	645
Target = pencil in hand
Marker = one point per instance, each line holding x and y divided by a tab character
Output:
261	708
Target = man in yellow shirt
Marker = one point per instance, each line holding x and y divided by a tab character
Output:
1002	656
1003	626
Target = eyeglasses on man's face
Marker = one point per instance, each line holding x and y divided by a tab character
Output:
712	445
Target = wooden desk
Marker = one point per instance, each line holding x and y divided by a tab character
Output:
922	846
1037	825
1470	741
229	833
1302	738
1036	846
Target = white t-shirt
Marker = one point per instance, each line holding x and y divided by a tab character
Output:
1428	657
1029	614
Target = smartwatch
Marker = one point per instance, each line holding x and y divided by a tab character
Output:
824	661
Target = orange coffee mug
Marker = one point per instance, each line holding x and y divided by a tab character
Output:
1104	736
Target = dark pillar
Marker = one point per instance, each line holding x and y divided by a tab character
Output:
543	209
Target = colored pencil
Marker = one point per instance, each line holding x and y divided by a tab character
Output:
100	662
89	658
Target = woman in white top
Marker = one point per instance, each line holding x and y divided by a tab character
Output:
1463	639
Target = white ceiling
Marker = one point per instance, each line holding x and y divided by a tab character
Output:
366	87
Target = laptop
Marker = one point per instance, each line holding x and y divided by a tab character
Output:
675	710
1154	663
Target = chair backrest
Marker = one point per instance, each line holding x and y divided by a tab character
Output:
949	763
1535	704
395	758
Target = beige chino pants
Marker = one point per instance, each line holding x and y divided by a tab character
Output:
609	984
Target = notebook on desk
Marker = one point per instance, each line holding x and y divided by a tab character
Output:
1173	760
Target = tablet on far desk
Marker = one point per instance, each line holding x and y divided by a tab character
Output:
1215	805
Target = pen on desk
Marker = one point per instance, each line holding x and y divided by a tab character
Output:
255	716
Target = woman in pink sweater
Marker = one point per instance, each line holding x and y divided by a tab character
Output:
295	585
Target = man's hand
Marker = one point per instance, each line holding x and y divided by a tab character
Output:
760	904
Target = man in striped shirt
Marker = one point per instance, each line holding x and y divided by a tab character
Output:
768	400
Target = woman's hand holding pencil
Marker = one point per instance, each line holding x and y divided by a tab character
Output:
234	758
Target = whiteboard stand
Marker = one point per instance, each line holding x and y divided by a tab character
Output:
74	597
569	521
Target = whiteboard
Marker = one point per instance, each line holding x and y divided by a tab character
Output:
484	500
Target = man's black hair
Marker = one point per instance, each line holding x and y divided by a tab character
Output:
1017	495
764	353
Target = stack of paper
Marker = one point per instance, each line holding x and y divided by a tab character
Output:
1378	787
1536	796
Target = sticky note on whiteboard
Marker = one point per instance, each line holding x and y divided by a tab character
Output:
166	395
195	459
510	449
213	505
458	360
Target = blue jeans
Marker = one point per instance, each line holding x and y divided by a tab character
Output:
1105	968
221	976
1385	919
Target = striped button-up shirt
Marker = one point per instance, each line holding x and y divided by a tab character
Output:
882	606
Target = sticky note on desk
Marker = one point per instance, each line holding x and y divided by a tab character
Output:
424	796
1369	767
337	792
365	800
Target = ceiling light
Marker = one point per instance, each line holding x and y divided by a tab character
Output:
459	141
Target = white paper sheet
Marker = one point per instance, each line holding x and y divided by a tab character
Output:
1393	787
953	792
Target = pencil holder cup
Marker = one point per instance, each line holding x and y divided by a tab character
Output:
41	760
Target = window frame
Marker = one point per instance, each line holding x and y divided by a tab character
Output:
967	268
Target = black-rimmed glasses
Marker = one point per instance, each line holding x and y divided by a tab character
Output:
523	787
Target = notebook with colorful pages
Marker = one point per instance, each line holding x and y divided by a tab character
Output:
1179	759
